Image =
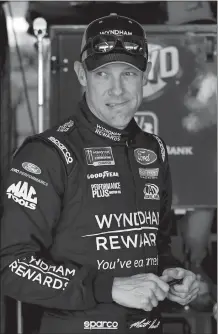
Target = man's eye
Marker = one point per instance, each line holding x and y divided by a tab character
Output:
128	74
101	74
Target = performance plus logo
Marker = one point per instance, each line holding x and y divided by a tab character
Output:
100	325
23	194
105	189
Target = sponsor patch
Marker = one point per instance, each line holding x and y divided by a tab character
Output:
36	270
115	32
63	149
31	168
126	230
29	176
162	148
113	135
105	189
100	325
99	156
144	156
151	191
65	127
23	194
149	173
150	324
102	175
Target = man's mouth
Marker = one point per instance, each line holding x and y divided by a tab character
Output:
114	105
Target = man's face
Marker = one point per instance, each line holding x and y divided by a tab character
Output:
114	92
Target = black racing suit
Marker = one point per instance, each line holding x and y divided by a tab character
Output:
86	203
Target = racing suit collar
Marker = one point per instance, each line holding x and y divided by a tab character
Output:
104	130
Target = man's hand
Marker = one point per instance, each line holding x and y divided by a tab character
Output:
183	293
142	291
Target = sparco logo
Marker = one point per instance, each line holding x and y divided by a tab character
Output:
22	194
100	325
63	148
165	65
151	191
102	175
65	127
162	149
144	156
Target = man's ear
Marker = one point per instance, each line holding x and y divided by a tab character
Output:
80	72
146	73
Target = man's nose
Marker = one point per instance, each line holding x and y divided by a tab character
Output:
117	86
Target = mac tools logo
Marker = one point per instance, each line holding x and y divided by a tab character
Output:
147	121
22	194
165	65
151	191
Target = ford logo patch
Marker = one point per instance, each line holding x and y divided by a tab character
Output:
144	156
31	168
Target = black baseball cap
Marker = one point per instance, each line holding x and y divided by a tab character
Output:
115	25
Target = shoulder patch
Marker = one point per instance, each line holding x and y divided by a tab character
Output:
162	148
66	126
63	148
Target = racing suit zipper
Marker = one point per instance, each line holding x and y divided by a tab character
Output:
132	173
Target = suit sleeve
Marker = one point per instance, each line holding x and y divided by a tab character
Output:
32	208
166	259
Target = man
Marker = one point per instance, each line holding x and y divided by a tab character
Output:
87	208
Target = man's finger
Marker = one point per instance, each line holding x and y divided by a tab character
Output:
184	295
194	289
174	272
177	299
187	284
147	305
153	300
163	285
174	298
189	280
160	294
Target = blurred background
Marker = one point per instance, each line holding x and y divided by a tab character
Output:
179	104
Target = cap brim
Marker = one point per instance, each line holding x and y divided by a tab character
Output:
98	60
